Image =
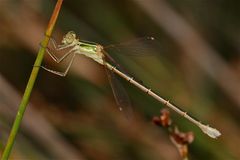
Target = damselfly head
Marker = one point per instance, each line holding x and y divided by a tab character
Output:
69	37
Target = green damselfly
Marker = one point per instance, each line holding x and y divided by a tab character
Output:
97	53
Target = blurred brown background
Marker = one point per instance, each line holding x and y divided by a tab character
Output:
195	65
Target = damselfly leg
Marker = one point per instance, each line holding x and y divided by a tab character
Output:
60	59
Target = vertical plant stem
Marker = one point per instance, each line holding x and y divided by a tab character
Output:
30	84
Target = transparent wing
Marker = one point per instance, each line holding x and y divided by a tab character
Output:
120	95
136	47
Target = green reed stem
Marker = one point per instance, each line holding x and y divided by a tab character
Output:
30	84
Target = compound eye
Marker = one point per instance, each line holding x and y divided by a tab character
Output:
71	34
70	37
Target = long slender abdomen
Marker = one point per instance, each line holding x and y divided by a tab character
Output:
212	132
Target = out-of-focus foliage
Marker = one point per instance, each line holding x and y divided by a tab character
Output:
77	115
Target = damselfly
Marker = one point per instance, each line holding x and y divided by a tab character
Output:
97	53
